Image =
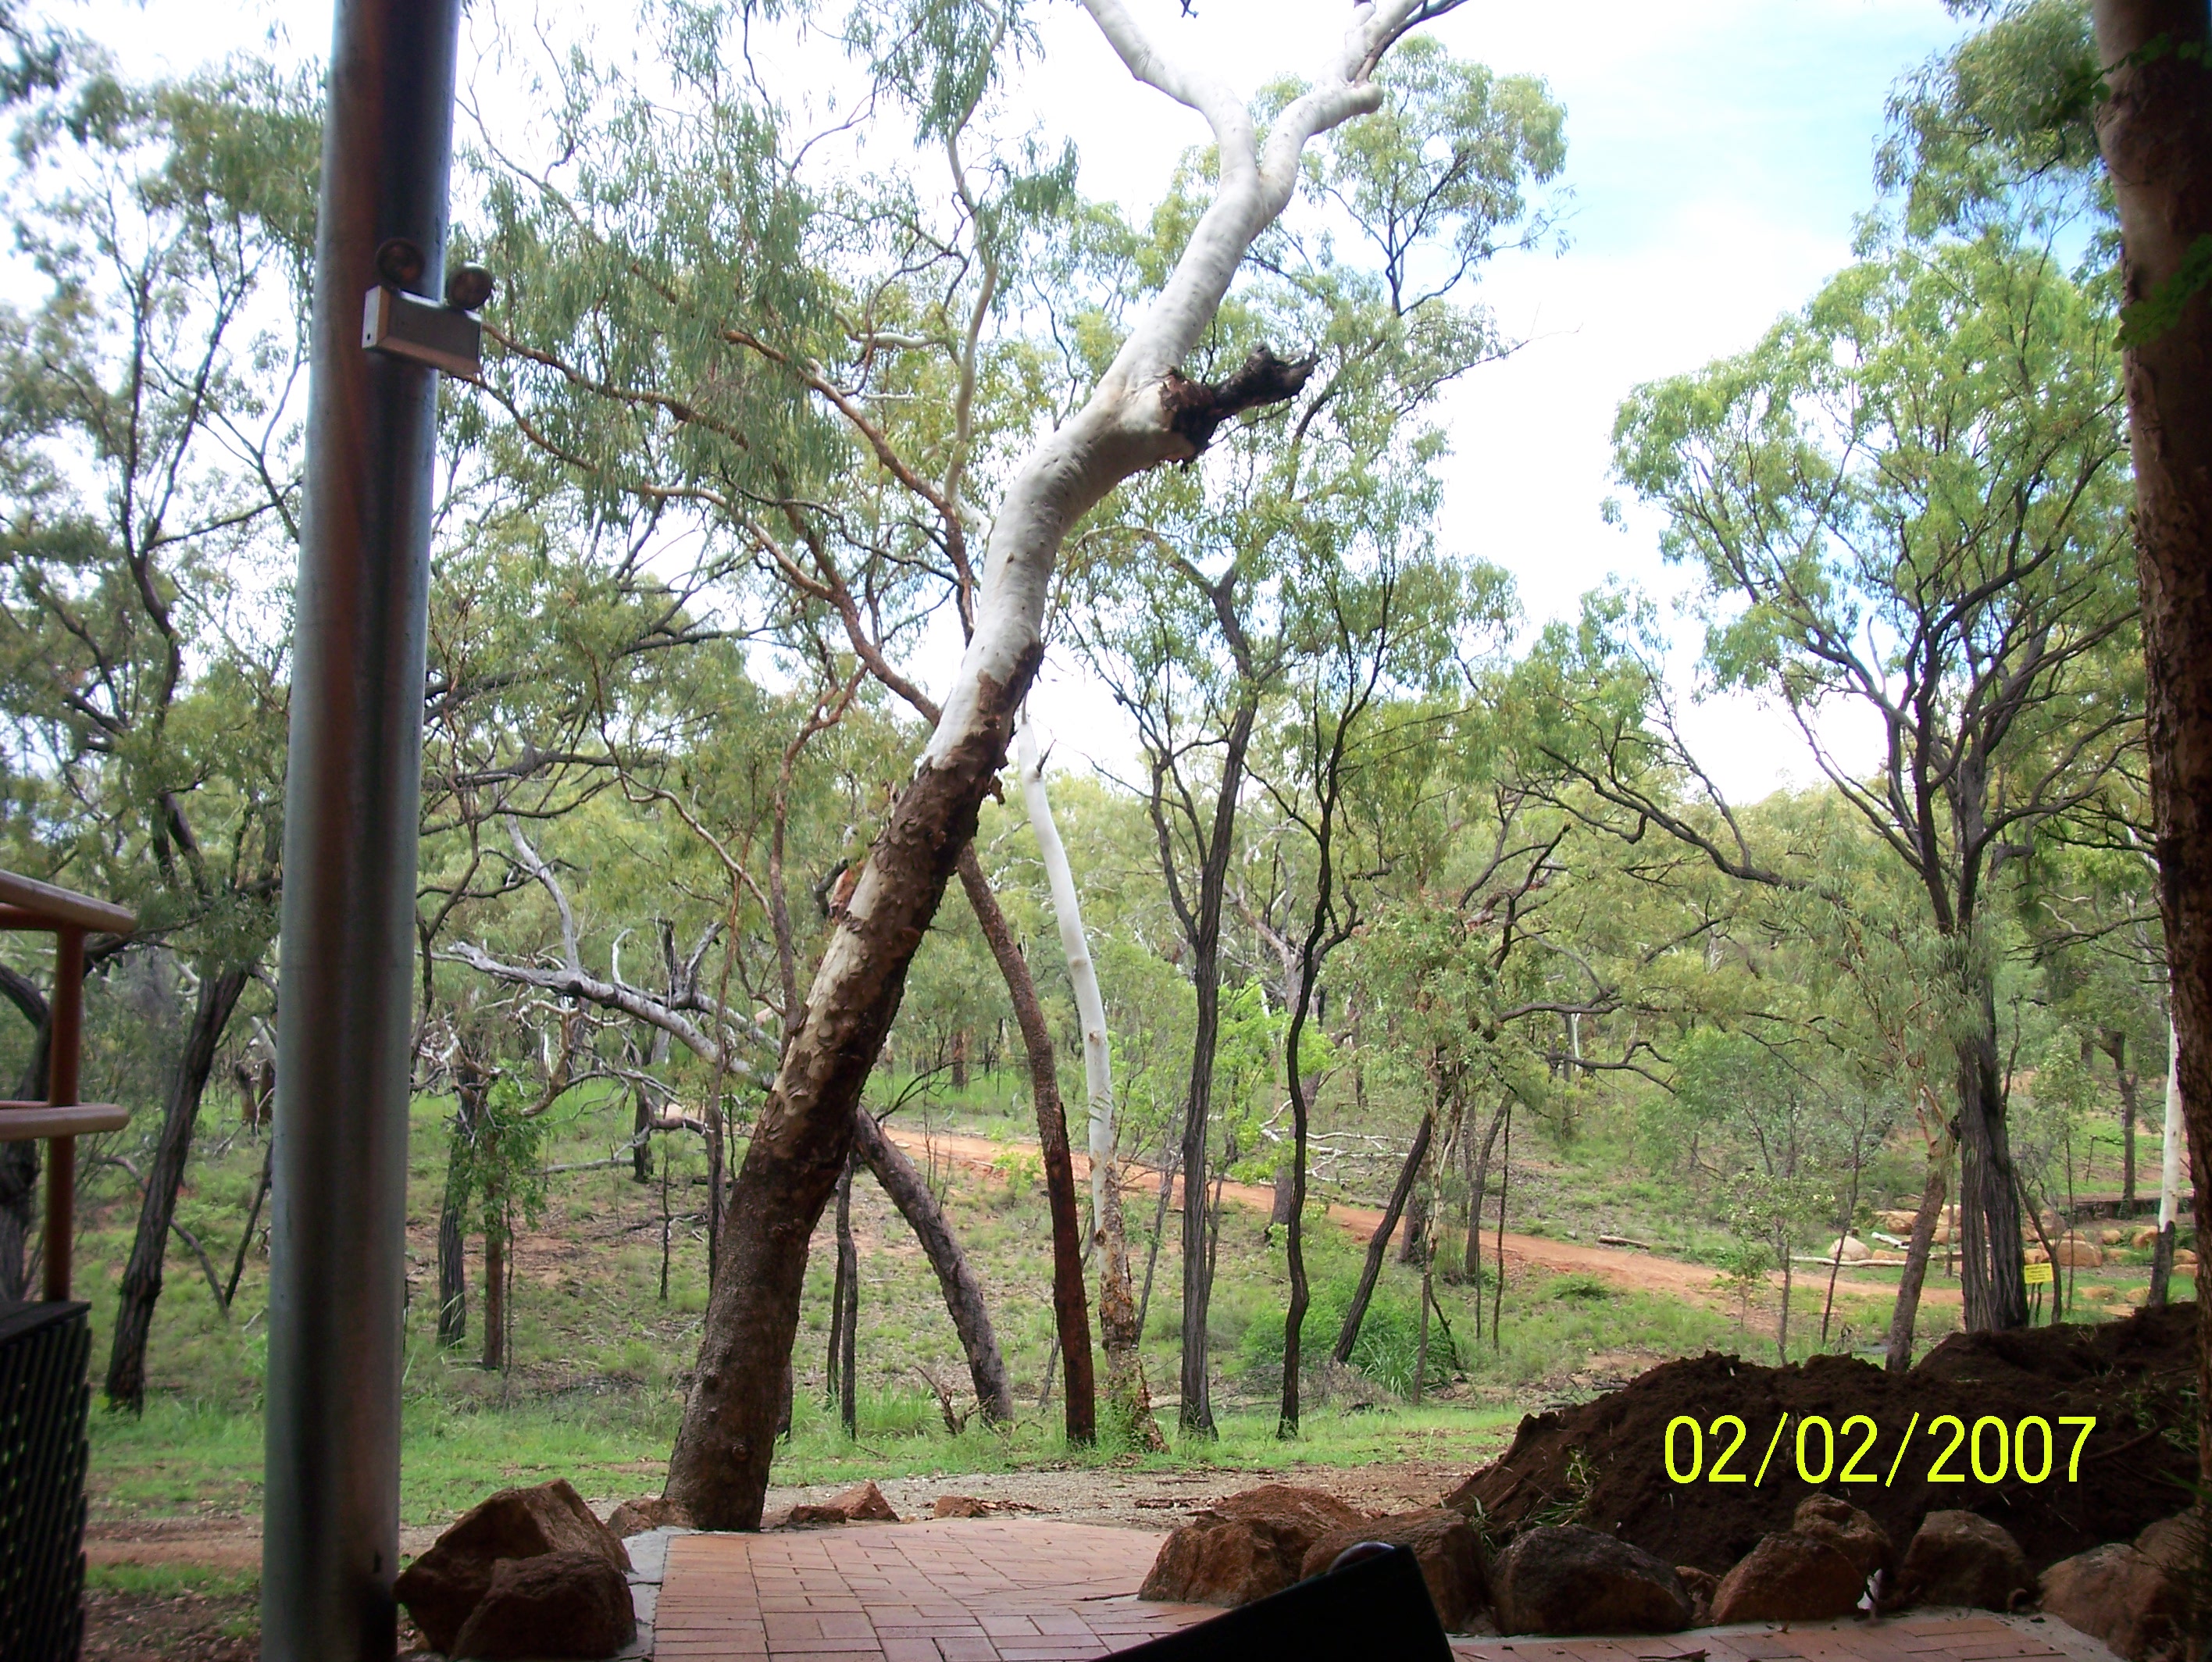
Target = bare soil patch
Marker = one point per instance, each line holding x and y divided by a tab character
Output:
1604	1464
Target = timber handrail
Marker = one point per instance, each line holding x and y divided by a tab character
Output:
26	903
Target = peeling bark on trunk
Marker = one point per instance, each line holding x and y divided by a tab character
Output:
1071	1313
963	1296
1144	412
2155	131
1128	1398
218	995
1348	1335
1991	1266
1906	1315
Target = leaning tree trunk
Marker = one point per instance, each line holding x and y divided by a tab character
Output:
218	995
1992	1266
1127	1396
1378	1248
1144	412
2155	131
1071	1315
963	1296
1897	1355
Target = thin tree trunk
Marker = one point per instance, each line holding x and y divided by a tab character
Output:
1898	1356
1070	1312
1143	412
1991	1267
1160	1232
19	1162
963	1296
252	1220
832	1364
1850	1212
470	1084
1478	1185
1379	1245
494	1263
845	1313
217	997
2124	1076
1127	1396
2155	131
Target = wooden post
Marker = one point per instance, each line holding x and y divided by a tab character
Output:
62	1049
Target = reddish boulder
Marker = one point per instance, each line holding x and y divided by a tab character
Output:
1788	1578
959	1506
443	1586
557	1604
1962	1558
1453	1561
1245	1547
1572	1580
1851	1532
2121	1596
636	1517
863	1503
2178	1544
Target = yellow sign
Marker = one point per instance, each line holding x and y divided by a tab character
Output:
2038	1275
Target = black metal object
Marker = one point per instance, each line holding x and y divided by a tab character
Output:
352	796
44	1396
1375	1610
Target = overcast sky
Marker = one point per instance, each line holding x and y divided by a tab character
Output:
1717	152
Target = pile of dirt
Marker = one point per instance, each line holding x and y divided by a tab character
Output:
1605	1463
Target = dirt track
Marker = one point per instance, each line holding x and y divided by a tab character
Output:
1622	1266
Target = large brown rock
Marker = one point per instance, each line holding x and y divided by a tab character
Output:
1245	1547
443	1586
1961	1558
636	1517
1851	1532
2121	1596
555	1604
2178	1543
1788	1577
1571	1580
863	1503
1453	1561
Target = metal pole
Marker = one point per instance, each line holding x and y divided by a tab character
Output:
64	1034
330	1533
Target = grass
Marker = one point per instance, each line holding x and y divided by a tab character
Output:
599	1359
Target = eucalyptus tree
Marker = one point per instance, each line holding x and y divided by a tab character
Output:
150	502
1910	500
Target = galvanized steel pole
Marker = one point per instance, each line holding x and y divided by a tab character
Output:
330	1533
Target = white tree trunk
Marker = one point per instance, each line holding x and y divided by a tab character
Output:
1144	412
1082	973
2169	1170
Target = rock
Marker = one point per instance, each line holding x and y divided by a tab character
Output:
1851	1532
2121	1595
2110	1237
1453	1561
1962	1558
2144	1240
1789	1578
2098	1293
1854	1250
555	1604
863	1503
1572	1580
1701	1585
2178	1543
443	1586
959	1505
2075	1253
1897	1222
636	1517
2185	1261
1245	1547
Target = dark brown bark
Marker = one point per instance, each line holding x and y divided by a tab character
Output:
960	1059
19	1162
1478	1186
1070	1306
1379	1246
2155	131
845	1313
217	997
2115	1046
963	1296
1991	1267
1129	1397
718	1470
1903	1316
470	1084
495	1336
252	1223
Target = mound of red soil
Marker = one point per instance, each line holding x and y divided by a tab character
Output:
1605	1463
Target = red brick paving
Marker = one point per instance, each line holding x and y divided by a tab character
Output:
983	1590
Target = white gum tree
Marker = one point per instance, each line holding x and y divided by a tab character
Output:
1142	411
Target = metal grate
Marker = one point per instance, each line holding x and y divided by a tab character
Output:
44	1397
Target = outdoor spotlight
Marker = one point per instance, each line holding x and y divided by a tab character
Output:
399	263
468	287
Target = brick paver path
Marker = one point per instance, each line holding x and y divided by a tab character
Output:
978	1590
987	1590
